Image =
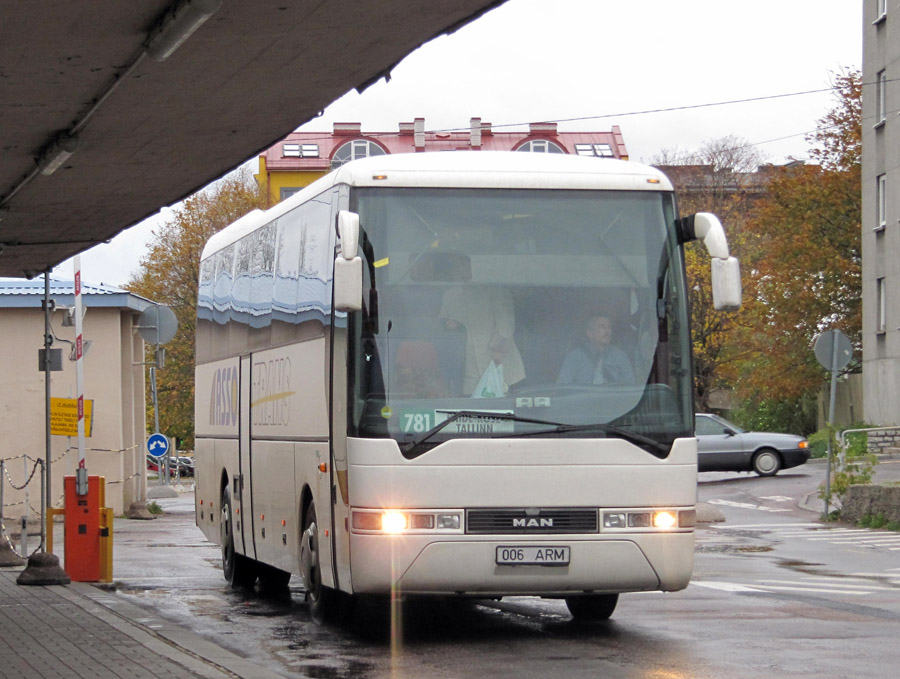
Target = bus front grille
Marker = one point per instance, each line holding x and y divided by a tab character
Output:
530	521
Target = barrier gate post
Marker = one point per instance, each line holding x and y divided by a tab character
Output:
88	531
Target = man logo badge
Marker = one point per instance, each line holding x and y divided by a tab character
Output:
532	523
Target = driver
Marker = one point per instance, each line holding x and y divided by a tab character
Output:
598	361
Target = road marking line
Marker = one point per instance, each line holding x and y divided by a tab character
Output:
824	581
818	590
726	586
769	525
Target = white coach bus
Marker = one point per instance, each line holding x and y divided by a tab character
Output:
455	373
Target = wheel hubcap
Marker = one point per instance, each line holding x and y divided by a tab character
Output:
766	462
309	561
227	542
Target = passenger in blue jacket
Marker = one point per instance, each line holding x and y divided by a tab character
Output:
597	361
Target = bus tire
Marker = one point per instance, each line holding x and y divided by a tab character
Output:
592	607
767	462
239	570
322	600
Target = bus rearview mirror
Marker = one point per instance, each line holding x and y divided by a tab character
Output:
726	284
348	231
348	284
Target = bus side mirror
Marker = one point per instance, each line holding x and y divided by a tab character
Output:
348	266
726	284
726	271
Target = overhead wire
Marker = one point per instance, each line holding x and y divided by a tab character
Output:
669	109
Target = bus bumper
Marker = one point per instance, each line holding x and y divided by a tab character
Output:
422	565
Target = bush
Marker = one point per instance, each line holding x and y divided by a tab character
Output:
794	416
857	468
818	444
857	444
879	521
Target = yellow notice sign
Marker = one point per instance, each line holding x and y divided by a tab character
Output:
64	416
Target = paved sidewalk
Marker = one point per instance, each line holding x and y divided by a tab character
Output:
82	632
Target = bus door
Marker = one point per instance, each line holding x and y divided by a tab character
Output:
243	489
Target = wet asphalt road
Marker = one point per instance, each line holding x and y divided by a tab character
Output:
775	593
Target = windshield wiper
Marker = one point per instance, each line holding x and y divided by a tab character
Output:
618	432
410	447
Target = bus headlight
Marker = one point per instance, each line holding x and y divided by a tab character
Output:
448	521
664	520
649	520
395	521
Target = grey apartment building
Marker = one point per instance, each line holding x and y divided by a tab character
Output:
881	211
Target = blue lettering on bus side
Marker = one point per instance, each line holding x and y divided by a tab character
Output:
223	402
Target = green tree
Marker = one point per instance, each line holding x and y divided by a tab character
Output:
807	276
720	178
168	273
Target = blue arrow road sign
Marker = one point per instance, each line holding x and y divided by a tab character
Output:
157	445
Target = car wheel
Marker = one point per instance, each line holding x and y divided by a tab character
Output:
766	462
240	572
323	601
592	607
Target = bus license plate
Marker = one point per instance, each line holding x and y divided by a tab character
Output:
535	555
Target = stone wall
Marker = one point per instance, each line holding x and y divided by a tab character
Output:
862	501
881	439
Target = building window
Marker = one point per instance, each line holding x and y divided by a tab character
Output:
881	302
288	191
881	98
540	146
300	150
881	12
353	150
598	150
881	198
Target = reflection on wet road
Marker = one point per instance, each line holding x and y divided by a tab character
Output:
768	597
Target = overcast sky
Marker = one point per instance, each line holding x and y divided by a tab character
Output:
592	64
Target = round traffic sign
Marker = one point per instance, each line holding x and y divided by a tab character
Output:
157	324
157	445
833	350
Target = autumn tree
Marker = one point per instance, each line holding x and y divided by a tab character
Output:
168	273
720	178
807	278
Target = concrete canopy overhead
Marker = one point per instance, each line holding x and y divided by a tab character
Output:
150	133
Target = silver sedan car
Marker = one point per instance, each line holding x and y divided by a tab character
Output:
725	447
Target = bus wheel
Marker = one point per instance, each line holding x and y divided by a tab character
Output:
592	607
239	570
322	600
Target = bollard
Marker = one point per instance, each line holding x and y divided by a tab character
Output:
106	544
23	541
8	556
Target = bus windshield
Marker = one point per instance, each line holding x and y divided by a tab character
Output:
515	313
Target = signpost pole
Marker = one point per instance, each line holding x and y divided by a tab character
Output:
833	351
48	338
834	372
81	476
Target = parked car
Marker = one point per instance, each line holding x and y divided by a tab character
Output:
153	464
180	465
725	447
185	465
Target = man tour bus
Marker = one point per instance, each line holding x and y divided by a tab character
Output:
381	404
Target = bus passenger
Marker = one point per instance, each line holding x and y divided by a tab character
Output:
598	361
487	314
